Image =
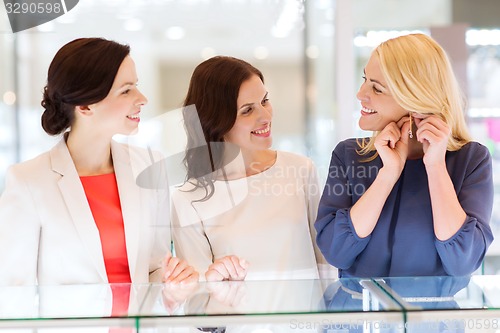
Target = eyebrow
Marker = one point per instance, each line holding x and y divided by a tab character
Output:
376	81
249	104
127	84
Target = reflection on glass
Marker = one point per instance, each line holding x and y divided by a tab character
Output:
405	304
359	295
436	293
241	298
426	293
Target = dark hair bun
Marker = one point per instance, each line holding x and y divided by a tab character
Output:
55	119
81	73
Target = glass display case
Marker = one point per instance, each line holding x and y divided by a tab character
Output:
409	304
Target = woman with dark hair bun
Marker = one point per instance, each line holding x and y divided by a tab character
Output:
245	210
74	214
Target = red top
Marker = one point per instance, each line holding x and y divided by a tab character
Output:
104	201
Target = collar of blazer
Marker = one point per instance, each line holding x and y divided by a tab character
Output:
62	162
76	202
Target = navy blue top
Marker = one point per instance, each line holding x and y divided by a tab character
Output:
405	245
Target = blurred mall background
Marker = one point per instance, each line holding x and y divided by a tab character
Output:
311	52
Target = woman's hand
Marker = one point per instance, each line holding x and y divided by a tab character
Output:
392	146
178	271
433	133
231	293
228	268
175	295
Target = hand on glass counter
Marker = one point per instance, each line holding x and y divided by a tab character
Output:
174	295
228	268
178	271
228	293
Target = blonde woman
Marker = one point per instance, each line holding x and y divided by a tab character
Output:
415	198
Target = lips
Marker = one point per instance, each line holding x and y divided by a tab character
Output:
262	131
365	110
135	116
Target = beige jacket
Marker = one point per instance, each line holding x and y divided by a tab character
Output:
48	234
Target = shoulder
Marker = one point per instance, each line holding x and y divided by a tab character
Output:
472	153
33	172
352	144
347	150
472	158
34	166
293	158
476	149
300	164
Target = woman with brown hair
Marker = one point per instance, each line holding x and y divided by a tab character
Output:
245	210
74	214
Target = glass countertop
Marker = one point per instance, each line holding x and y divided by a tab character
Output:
299	302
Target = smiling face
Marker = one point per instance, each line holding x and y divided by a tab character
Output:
252	128
118	112
378	106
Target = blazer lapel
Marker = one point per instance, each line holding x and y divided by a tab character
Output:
74	196
130	200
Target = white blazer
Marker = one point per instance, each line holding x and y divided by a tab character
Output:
47	231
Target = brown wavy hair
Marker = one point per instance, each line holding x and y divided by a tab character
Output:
211	103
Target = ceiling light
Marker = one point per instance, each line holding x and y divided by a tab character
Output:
133	24
175	33
261	52
207	53
374	38
312	51
287	19
483	37
9	98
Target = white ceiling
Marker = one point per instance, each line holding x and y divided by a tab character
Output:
236	27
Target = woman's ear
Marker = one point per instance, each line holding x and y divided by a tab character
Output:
84	110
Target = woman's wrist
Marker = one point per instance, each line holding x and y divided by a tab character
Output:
436	168
388	176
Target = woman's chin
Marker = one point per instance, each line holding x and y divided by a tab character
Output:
365	127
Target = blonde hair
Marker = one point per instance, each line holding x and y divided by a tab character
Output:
419	76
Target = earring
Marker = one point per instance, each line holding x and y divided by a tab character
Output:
410	133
